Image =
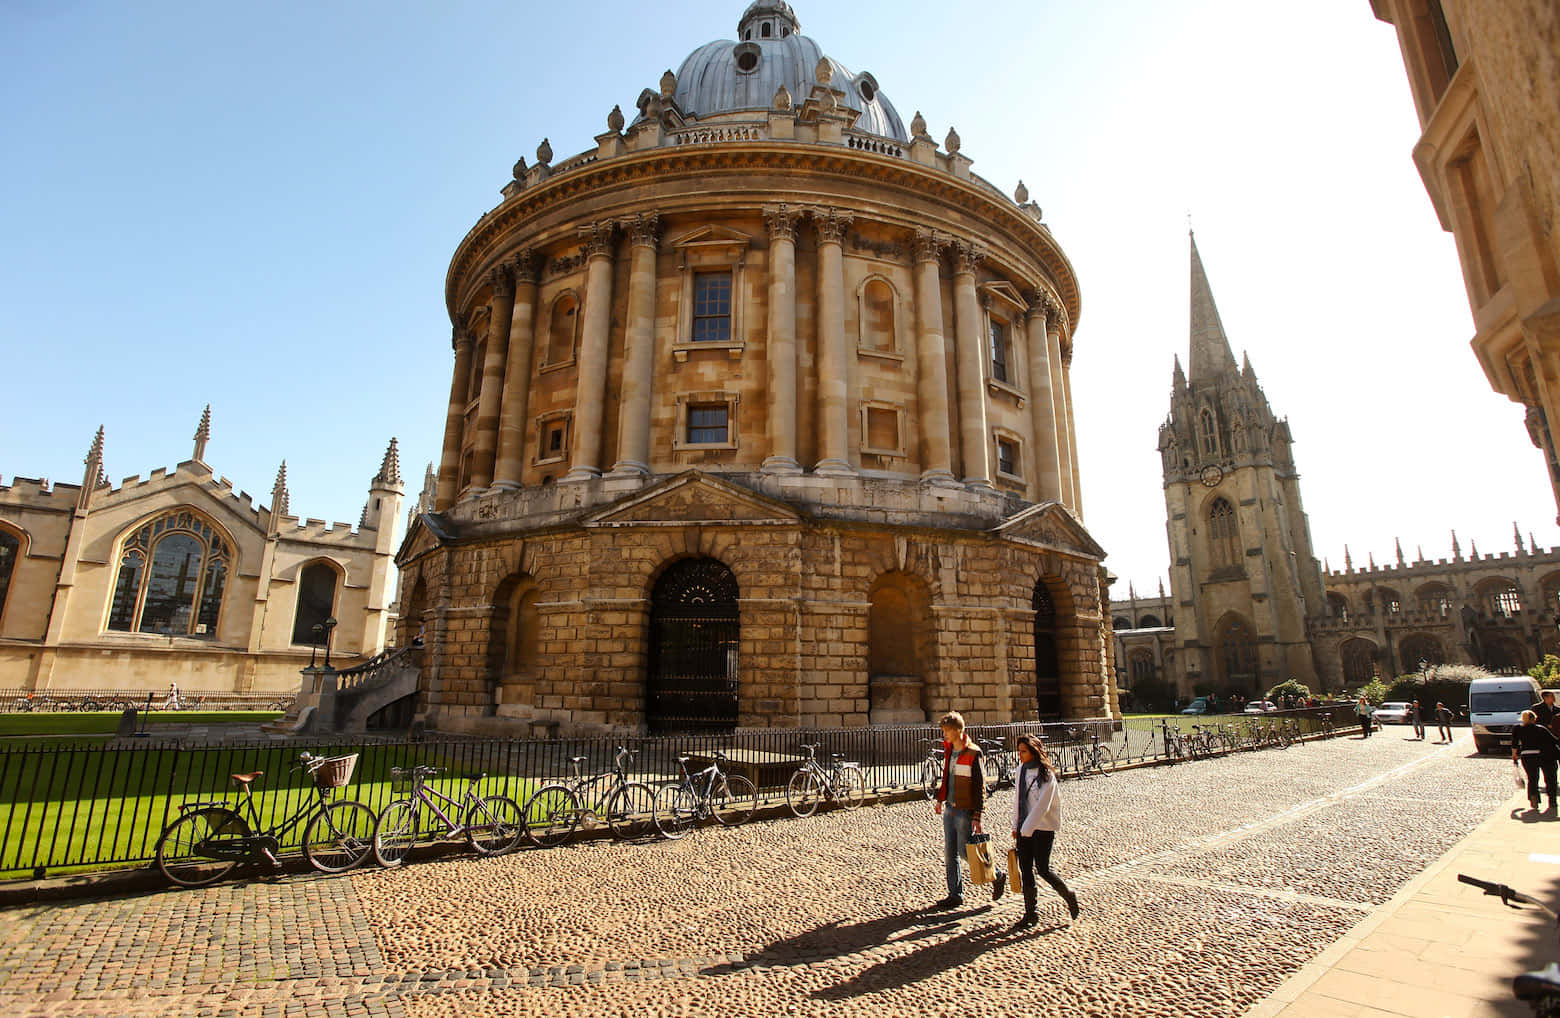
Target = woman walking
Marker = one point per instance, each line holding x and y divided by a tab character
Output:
1535	747
1037	816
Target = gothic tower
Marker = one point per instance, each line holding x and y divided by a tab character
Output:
1242	570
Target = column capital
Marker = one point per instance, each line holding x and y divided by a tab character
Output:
928	245
501	281
831	224
781	220
1041	305
967	255
644	230
525	265
597	238
460	337
1067	352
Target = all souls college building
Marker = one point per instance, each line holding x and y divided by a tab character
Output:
760	416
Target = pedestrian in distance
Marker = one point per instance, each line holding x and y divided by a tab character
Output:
960	799
1037	816
1366	714
1536	748
1419	722
1443	721
172	702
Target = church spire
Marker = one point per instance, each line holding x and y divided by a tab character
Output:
1180	376
390	467
1399	545
202	435
1211	355
279	505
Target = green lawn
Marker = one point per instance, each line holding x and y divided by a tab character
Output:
107	722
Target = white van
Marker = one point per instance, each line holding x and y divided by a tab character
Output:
1495	707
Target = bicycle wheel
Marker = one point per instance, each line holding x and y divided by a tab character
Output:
179	850
734	800
931	778
675	810
494	825
631	811
340	837
804	793
1102	759
852	787
551	815
395	835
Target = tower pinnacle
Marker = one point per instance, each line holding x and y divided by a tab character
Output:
202	435
1211	355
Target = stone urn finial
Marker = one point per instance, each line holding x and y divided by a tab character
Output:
951	143
615	119
1021	193
668	84
824	73
918	126
544	152
519	170
782	98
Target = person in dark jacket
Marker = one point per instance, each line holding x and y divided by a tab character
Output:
1367	716
1538	751
1417	719
1443	721
1037	816
1546	710
960	799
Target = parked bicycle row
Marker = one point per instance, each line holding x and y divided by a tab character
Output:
1209	740
30	703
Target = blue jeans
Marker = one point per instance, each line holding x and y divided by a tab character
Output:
956	835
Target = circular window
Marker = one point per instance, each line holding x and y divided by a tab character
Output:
747	57
866	84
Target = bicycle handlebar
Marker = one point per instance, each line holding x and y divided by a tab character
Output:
1507	895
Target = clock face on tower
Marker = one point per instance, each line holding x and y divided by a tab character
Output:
1211	476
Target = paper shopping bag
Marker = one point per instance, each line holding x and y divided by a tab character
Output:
979	852
1015	881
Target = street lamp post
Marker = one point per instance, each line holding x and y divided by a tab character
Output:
328	625
314	644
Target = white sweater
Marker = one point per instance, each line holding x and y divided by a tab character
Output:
1045	803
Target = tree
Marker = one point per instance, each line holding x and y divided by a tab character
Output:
1289	687
1548	672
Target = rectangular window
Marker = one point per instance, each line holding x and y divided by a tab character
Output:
707	423
555	440
999	351
1007	457
711	307
882	429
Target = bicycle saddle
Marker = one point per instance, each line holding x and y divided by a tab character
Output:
244	779
476	776
578	759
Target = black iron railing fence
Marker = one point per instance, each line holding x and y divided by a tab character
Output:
14	701
90	805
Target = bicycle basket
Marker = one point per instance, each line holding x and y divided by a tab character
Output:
335	772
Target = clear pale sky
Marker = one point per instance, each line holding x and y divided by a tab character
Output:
254	206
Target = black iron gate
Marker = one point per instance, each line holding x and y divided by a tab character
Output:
694	632
1048	672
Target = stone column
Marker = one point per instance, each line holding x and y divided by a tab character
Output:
1072	430
512	422
833	368
967	358
454	422
638	348
1053	346
782	340
590	396
931	363
485	444
1048	479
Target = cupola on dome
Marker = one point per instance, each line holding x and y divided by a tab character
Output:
730	75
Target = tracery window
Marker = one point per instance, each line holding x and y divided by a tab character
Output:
1508	602
1210	433
172	573
1223	534
316	600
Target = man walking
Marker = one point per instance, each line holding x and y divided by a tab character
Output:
1545	710
1419	722
960	799
1443	721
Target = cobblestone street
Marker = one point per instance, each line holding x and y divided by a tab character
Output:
1203	886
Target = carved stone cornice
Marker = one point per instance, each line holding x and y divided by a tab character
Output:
644	230
831	224
597	238
781	220
928	245
525	266
967	256
502	282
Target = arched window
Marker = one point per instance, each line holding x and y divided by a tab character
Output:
1223	534
1421	647
1149	622
172	573
694	635
1238	439
1337	605
1142	666
1435	598
1235	654
1507	602
523	632
1048	666
1391	601
1359	661
10	550
1210	433
316	601
877	316
561	329
1120	622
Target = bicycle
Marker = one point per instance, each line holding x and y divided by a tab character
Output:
1091	757
208	839
491	825
1540	990
554	811
1001	764
932	768
842	781
729	798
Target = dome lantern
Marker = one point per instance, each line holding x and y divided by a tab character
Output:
767	19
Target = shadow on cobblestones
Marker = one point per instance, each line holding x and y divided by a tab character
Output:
836	940
930	960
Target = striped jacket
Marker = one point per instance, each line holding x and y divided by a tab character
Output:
964	778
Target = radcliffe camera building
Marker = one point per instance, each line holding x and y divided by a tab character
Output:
761	415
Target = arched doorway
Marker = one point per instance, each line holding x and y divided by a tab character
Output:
899	648
1235	655
1359	661
1048	669
1421	647
694	629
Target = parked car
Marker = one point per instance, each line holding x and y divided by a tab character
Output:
1394	713
1260	707
1197	706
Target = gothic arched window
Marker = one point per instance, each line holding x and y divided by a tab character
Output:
316	600
172	573
10	549
1223	534
1210	433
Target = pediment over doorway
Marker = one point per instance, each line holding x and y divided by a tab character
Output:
694	497
1050	526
